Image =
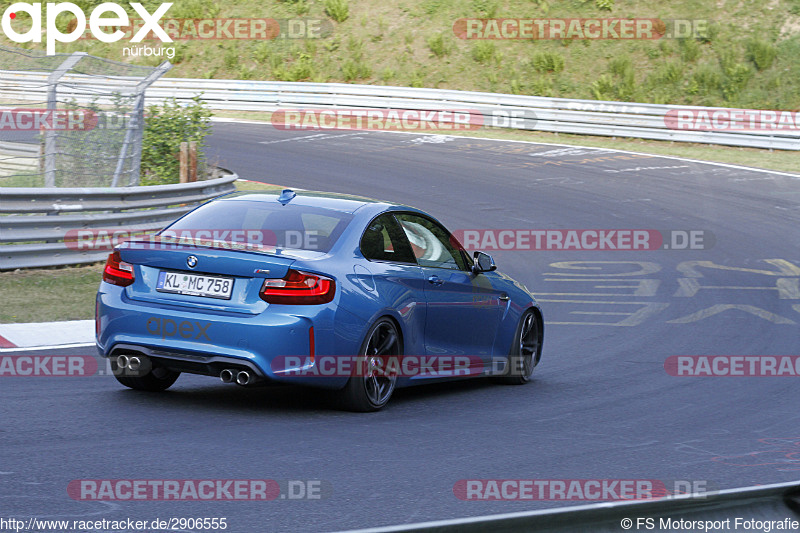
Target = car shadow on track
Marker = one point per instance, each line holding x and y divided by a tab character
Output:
232	398
287	398
462	390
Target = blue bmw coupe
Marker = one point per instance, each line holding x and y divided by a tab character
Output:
314	289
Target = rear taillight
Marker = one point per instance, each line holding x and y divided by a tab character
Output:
299	288
117	272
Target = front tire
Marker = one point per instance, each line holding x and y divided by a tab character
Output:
525	351
370	389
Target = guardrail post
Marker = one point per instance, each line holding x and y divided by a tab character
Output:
52	105
192	161
183	176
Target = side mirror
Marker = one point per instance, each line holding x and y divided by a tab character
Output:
482	262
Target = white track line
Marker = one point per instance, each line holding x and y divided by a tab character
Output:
51	347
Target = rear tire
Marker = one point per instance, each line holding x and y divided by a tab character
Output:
525	351
156	380
370	390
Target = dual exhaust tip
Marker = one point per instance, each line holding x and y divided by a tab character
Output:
132	363
241	377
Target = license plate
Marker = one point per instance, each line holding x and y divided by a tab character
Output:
195	285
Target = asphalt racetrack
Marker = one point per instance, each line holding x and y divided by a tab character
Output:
601	406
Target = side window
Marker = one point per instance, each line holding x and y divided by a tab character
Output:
431	243
384	240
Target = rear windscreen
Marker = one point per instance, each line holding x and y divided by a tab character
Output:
264	224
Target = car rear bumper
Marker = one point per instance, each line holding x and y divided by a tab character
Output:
200	342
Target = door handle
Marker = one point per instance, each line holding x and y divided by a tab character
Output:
435	280
504	297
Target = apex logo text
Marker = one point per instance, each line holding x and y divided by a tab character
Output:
98	20
166	327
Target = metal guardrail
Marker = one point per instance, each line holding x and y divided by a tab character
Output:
588	117
777	502
34	222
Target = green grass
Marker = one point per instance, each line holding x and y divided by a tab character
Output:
22	181
45	295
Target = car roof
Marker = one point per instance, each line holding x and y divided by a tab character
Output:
345	203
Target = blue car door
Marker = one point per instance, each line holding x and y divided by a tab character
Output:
464	309
397	278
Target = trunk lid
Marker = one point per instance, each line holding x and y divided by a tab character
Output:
245	266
